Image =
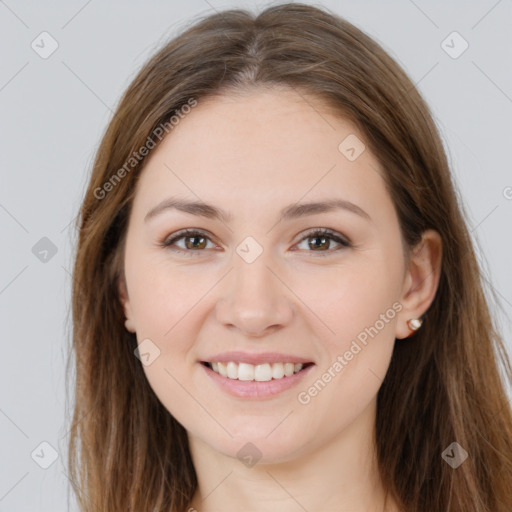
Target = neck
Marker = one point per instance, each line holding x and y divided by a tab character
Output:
339	474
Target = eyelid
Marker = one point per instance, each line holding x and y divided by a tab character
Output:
167	242
339	238
327	232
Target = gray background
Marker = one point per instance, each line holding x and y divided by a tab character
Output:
54	111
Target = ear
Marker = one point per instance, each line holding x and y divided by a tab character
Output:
420	282
123	296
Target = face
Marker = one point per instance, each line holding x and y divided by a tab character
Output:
266	281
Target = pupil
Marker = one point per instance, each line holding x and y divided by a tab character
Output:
194	245
323	238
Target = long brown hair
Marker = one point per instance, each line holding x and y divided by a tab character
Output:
126	452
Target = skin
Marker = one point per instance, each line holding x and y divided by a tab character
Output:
253	153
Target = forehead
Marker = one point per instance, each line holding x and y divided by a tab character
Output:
270	145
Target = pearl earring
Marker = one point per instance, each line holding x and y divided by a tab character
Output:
414	323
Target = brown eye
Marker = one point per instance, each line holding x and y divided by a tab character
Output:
194	242
322	239
198	242
323	244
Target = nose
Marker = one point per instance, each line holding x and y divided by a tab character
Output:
254	298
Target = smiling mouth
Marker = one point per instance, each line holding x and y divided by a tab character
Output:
258	373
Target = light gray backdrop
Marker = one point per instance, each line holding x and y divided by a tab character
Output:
55	106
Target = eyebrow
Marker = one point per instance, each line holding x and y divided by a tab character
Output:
292	211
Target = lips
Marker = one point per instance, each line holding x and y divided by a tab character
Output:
256	375
257	389
256	359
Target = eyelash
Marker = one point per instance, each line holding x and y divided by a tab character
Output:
188	233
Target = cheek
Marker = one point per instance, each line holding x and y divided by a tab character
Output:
163	296
360	310
348	298
352	372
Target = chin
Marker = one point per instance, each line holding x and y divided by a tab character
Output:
251	448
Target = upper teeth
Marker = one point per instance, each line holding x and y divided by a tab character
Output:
259	372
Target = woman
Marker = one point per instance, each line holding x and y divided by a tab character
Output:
221	362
